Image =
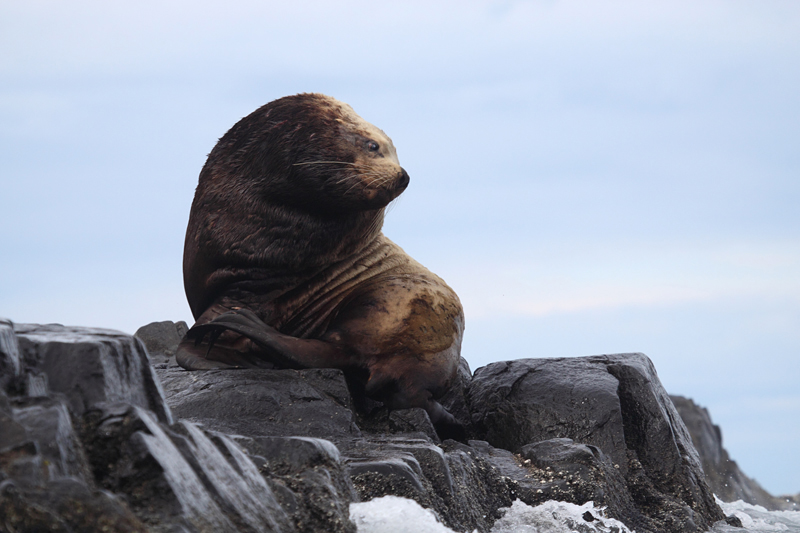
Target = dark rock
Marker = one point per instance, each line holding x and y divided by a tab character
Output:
462	505
86	437
47	423
308	478
515	403
414	423
554	470
613	402
161	340
723	475
467	485
389	466
480	490
122	467
38	444
64	505
734	521
45	480
9	354
13	433
577	473
309	403
89	366
178	477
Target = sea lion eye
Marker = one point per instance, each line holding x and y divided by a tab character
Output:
372	146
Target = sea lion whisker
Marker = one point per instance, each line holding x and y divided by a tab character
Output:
375	182
346	178
374	175
375	225
381	180
355	183
353	186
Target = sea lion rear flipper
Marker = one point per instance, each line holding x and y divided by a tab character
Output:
242	321
287	351
191	356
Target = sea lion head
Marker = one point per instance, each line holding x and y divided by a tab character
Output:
312	152
293	187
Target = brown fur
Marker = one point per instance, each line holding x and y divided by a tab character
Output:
286	223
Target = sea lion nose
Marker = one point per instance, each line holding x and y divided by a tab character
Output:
403	179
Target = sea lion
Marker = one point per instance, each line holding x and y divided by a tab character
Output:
285	264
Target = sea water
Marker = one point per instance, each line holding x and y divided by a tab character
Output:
392	514
756	518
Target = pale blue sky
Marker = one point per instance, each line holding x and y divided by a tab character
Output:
591	177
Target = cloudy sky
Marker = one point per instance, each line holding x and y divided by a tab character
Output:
590	177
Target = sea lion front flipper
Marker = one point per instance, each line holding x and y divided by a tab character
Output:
287	351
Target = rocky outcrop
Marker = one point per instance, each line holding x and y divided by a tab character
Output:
161	340
723	475
88	444
86	366
88	435
615	407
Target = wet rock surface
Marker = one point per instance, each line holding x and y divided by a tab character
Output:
309	403
92	433
614	403
87	366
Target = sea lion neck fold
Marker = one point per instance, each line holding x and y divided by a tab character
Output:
225	248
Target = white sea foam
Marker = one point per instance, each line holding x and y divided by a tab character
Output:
557	517
392	514
757	519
